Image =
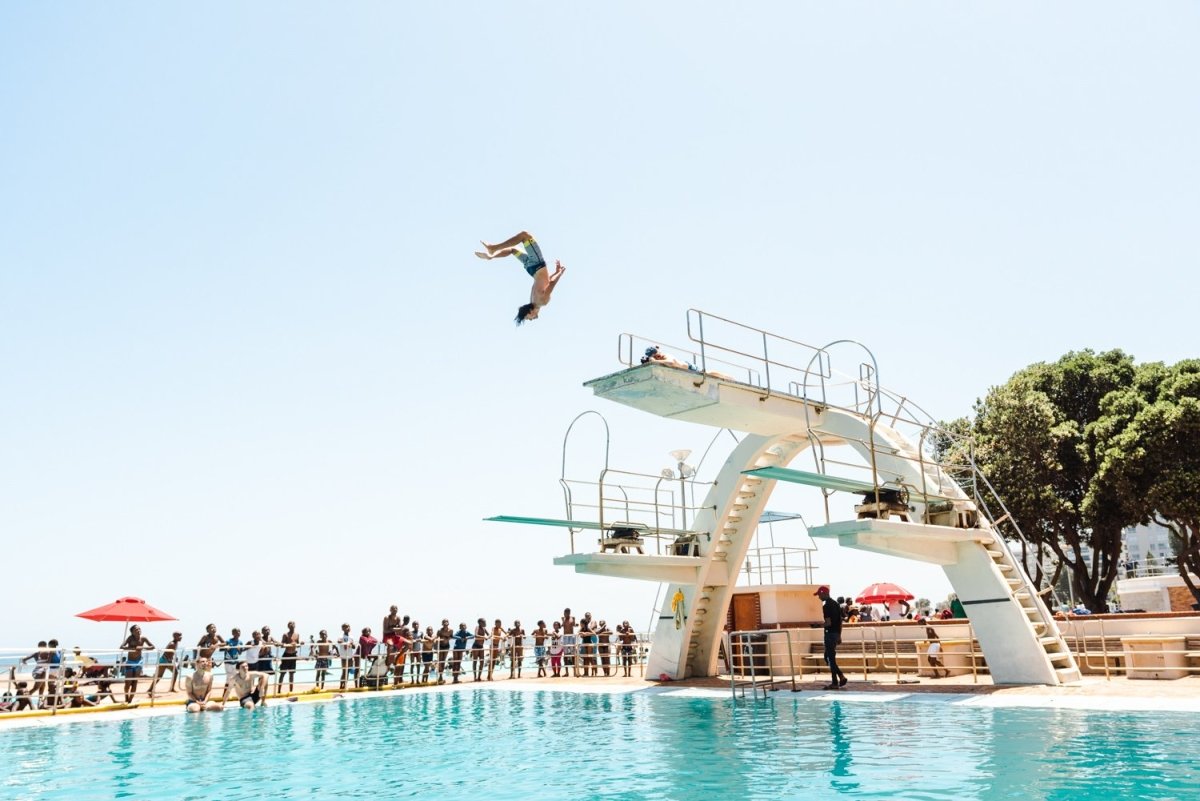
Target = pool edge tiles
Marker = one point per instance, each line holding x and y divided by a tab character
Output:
1096	703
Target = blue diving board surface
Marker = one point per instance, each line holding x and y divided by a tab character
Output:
550	521
811	479
778	517
641	528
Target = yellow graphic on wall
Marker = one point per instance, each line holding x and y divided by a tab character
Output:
677	608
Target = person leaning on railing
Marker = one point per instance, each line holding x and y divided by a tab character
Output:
232	651
627	637
444	635
347	652
42	659
168	660
133	646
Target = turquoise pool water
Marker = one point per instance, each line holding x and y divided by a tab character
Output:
496	744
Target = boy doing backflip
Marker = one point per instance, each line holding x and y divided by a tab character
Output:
530	256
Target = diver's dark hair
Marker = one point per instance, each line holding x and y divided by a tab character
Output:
523	312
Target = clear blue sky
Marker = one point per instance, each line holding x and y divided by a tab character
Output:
251	372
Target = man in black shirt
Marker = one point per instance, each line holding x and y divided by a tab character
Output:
832	613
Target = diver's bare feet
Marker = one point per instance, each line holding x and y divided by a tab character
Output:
483	255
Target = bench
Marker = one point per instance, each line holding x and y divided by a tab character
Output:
621	544
621	539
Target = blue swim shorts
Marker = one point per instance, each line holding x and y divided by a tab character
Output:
532	257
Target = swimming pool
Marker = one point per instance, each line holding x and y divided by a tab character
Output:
539	744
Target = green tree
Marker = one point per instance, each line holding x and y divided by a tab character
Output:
1151	457
1036	440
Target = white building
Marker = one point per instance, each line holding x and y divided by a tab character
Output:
1149	546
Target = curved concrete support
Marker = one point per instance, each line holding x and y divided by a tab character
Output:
685	645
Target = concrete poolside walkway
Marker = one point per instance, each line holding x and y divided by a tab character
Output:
1093	692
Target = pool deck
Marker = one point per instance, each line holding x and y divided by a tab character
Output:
1092	693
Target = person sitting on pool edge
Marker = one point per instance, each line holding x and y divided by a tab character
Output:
249	686
534	263
198	686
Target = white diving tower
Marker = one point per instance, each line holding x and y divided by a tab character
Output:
787	400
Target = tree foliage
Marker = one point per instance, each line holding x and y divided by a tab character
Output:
1150	457
1040	439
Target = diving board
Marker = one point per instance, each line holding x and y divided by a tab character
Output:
822	480
591	525
550	521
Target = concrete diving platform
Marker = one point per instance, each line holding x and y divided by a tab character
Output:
702	398
934	544
646	567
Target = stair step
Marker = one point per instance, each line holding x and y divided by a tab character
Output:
995	554
1015	582
1068	675
739	507
751	481
1048	640
1006	568
1059	656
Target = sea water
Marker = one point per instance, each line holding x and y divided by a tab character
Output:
537	744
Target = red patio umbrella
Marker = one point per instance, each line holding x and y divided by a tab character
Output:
128	610
882	593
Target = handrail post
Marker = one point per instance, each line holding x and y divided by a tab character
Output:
791	658
896	655
1104	650
728	640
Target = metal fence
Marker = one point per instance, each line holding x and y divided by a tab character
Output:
62	681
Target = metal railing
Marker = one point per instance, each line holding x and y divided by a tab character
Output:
766	658
631	350
649	503
1149	566
105	679
1165	656
778	565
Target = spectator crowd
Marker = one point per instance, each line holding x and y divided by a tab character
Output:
399	653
